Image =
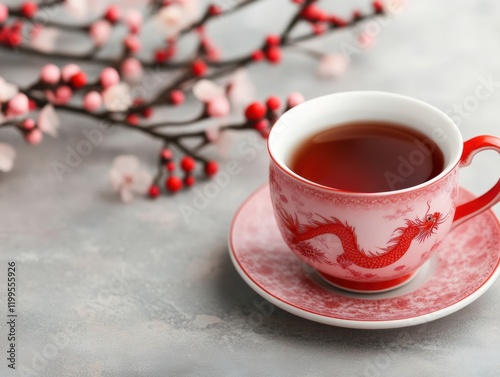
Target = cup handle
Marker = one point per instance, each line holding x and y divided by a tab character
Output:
470	209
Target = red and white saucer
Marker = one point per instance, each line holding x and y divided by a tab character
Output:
465	266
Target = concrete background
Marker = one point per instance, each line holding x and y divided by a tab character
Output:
107	289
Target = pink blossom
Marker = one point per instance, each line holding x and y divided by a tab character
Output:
82	9
218	107
295	99
48	121
333	65
133	19
18	105
117	97
176	15
223	141
109	77
169	19
77	8
44	39
61	96
7	90
50	74
69	71
92	101
7	154
127	178
241	91
131	69
100	31
205	90
212	133
213	96
4	13
132	43
34	137
190	8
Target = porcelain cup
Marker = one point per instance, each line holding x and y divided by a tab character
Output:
371	242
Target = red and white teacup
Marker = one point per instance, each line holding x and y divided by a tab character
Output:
370	242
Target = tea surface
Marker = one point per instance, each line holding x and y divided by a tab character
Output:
367	157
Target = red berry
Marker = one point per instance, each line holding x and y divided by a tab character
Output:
265	133
29	8
113	14
337	21
78	80
133	119
12	38
173	183
273	40
211	168
32	105
273	103
261	125
214	10
257	55
170	166
255	111
189	181
147	112
322	16
137	101
356	14
187	164
167	154
176	97
311	13
154	191
198	68
273	54
161	56
378	6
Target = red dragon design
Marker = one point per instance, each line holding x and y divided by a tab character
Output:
416	229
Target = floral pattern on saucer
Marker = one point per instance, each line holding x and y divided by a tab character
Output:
466	264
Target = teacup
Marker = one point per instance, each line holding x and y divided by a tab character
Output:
370	242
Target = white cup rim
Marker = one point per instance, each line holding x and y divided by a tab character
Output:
452	132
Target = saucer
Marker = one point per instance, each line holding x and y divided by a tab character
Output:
464	267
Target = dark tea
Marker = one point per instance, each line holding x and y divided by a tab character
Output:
367	157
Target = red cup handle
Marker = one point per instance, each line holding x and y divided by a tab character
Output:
470	209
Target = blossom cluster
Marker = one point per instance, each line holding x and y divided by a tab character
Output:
221	85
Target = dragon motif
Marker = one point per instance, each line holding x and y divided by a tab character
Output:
299	234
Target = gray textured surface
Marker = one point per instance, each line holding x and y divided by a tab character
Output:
134	290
